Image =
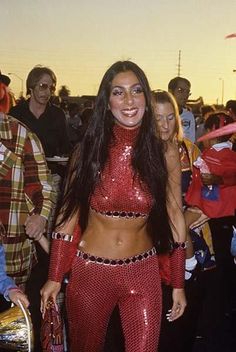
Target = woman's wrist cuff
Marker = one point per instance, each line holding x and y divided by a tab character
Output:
62	236
177	266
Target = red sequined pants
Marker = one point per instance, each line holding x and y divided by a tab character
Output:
93	291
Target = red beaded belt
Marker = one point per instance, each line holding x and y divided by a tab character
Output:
106	261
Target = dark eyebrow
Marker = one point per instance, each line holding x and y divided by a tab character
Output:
112	87
122	87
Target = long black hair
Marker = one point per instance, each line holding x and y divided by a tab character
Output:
89	157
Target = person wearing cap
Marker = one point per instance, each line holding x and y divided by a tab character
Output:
4	79
215	169
4	96
216	196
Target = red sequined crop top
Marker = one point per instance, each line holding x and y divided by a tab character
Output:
118	193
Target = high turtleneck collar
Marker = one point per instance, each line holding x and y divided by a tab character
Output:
125	134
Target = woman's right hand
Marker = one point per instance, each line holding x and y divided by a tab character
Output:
179	304
49	290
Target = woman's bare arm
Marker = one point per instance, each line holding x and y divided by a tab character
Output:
174	194
177	223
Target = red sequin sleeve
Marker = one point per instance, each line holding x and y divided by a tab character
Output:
177	267
63	251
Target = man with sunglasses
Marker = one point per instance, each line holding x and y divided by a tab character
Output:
43	118
180	88
48	122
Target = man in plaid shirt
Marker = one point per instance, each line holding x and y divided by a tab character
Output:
26	194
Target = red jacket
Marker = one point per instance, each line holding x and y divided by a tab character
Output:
221	163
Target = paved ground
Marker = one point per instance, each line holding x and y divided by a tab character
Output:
222	340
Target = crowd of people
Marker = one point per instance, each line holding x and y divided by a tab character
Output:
123	208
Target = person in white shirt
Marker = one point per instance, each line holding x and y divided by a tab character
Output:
180	88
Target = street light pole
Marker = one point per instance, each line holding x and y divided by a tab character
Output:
234	71
222	90
21	80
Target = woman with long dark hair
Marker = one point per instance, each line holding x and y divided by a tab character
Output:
119	191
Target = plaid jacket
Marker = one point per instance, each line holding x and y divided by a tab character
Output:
25	188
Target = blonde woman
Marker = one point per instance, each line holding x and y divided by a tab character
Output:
170	129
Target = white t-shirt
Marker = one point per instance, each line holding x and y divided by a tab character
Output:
188	123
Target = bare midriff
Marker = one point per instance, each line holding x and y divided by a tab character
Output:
115	238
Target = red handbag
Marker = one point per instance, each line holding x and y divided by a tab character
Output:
52	329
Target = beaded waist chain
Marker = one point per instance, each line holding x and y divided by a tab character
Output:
121	214
117	262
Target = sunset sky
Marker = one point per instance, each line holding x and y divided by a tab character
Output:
80	39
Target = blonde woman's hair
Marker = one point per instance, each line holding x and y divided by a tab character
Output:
162	97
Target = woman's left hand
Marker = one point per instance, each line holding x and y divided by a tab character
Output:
179	304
